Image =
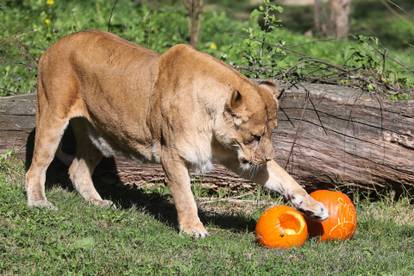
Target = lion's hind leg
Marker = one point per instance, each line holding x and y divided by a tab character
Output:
87	157
57	103
49	132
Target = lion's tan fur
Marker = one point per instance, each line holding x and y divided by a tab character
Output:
182	108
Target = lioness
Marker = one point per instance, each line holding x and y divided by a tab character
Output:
182	108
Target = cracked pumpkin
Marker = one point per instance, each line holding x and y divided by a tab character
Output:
281	227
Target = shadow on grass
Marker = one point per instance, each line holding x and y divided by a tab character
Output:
160	206
110	186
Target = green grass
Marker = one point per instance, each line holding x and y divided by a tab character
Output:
143	239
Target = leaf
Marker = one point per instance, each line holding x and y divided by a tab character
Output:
371	87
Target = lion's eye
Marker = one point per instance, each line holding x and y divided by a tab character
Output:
255	139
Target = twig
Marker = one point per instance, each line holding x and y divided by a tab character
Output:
203	201
209	200
298	128
283	110
253	68
314	109
287	116
108	27
397	6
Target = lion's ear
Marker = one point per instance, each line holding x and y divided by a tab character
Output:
270	86
235	100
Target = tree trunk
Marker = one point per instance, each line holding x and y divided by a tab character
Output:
195	9
327	136
340	10
320	17
332	18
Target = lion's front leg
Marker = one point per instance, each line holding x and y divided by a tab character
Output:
178	180
274	177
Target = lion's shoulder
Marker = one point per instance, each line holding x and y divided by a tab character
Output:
182	51
184	59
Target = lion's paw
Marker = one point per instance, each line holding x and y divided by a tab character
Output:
44	204
310	206
196	230
102	203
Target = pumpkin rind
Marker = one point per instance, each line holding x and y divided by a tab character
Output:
281	227
342	221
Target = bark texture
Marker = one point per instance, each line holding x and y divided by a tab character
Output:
194	9
328	136
331	17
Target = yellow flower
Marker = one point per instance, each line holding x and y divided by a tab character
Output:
50	2
47	21
213	46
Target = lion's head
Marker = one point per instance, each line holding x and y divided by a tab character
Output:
250	115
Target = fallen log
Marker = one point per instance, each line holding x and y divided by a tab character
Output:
327	136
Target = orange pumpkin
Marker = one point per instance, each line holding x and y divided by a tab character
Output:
281	227
342	221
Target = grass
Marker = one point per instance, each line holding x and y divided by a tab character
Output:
142	238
